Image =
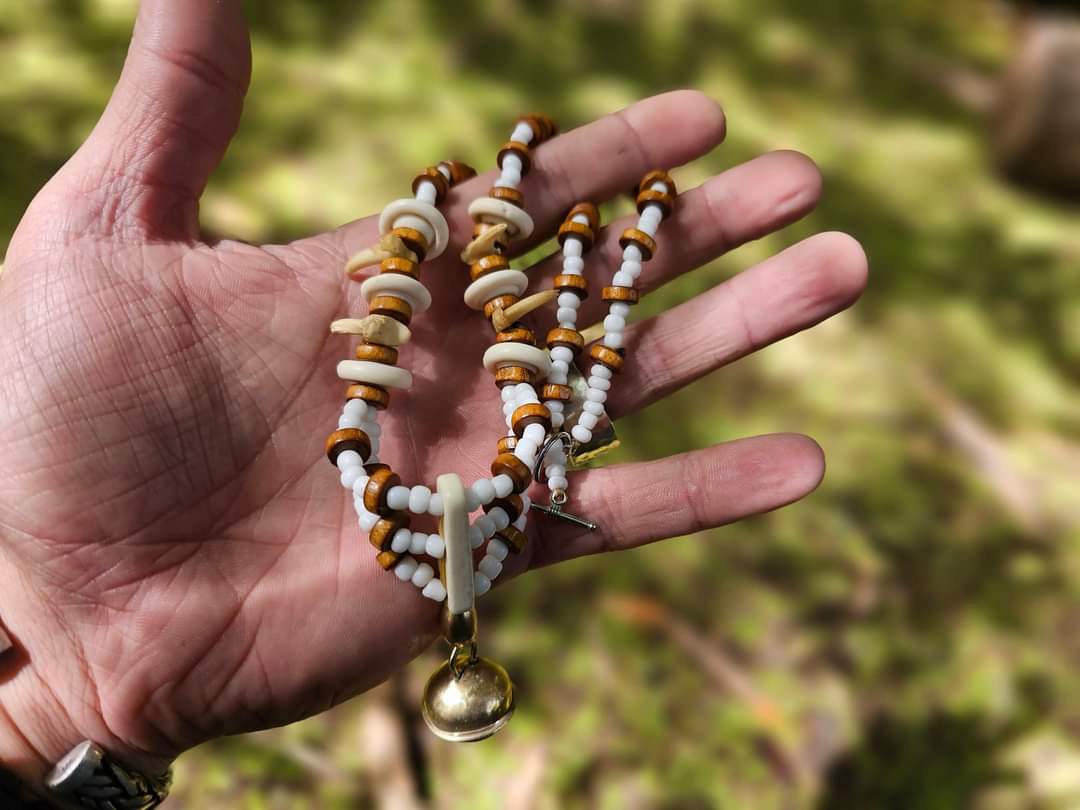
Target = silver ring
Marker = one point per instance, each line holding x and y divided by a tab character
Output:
539	476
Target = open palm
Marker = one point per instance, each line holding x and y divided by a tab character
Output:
182	560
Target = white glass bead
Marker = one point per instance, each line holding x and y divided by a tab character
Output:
633	269
573	265
436	546
596	395
572	248
423	575
581	433
346	421
508	393
562	354
418	543
614	340
571	324
359	485
620	308
569	300
350	475
368	521
535	433
566	315
486	524
557	419
481	584
489	567
588	420
555	406
595	408
622	279
614	323
525	393
419	498
555	469
484	490
435	505
405	569
526	451
472	503
558	482
401	541
355	407
598	383
398	498
349	458
504	485
509	407
521	523
603	372
426	192
498	549
510	176
632	253
371	428
476	536
434	590
650	218
526	502
522	134
560	365
500	518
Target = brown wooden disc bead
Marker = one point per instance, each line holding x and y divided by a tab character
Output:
388	560
499	302
583	232
506	194
519	149
437	178
399	264
375	466
658	176
390	305
507	444
382	533
570	338
514	375
649	197
514	538
512	505
347	439
488	264
459	172
562	393
506	463
606	356
375	353
516	334
571	282
625	295
501	243
591	212
379	483
532	413
374	395
413	239
538	126
646	244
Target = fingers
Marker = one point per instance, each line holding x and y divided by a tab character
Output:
169	120
737	206
787	293
593	162
636	504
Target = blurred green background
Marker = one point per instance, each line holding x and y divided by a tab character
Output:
907	637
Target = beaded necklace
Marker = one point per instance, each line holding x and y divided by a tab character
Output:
471	697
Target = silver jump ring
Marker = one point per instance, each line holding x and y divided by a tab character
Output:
539	476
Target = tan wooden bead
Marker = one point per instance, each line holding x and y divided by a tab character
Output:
582	232
374	395
379	483
413	239
375	466
543	126
501	243
646	244
347	439
514	375
388	560
507	444
662	198
516	334
506	463
626	295
393	307
532	413
562	393
510	195
591	212
606	356
399	264
459	172
512	505
514	538
375	353
382	533
569	282
488	264
570	338
437	178
519	149
657	176
499	302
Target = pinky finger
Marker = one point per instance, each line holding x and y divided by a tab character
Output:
642	502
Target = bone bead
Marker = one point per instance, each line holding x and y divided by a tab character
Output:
379	329
397	284
493	285
518	354
382	533
486	209
498	304
389	246
592	333
373	395
454	529
374	353
532	413
347	439
425	211
645	243
490	238
378	374
416	241
500	319
506	463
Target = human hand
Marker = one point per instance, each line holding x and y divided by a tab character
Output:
178	559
